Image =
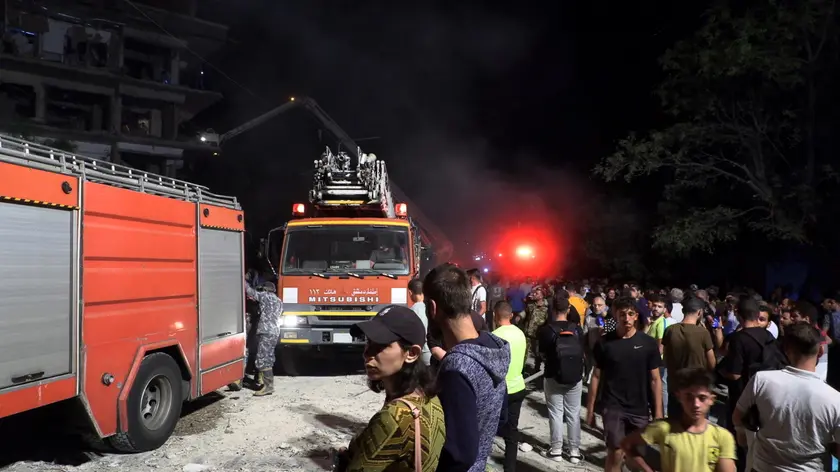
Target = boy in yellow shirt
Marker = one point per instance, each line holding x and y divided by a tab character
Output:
690	443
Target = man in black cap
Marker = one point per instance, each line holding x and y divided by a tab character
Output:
392	323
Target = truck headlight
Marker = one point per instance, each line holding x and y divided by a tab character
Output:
292	321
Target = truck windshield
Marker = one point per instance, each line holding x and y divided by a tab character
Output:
346	249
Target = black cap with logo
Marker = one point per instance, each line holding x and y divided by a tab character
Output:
392	323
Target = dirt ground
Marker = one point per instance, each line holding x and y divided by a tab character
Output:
234	431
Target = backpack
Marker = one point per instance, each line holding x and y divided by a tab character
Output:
772	357
569	351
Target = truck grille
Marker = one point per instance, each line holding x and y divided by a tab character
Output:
343	318
343	308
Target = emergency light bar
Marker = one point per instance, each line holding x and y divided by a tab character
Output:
401	210
298	209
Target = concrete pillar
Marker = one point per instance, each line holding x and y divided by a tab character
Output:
169	124
155	124
96	119
116	114
157	68
38	46
115	154
40	102
175	68
116	50
171	168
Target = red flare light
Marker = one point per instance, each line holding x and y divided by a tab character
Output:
524	251
533	250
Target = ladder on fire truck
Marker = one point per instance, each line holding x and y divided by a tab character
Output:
20	151
340	185
431	234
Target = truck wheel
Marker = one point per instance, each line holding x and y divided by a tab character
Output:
154	405
287	361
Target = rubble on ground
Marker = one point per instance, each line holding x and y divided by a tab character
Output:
295	429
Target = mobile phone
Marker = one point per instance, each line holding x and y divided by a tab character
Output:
715	322
600	322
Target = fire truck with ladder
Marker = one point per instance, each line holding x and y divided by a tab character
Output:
122	292
437	245
348	253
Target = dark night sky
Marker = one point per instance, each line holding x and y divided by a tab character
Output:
481	111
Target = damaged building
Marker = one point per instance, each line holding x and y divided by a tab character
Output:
113	79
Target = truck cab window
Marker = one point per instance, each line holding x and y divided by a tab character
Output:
341	249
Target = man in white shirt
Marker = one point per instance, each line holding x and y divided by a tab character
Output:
677	296
798	413
415	292
479	293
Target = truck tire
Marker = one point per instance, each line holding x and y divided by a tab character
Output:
154	405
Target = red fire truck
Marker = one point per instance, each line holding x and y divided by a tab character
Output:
324	261
122	292
348	253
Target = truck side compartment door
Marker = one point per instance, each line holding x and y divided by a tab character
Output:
37	253
221	293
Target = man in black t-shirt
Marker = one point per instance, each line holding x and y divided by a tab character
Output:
744	349
626	371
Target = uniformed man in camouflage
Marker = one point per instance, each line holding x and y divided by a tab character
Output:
268	332
536	312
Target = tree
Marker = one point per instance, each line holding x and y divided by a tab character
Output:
739	152
614	241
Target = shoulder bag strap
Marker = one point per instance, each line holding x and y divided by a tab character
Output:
418	446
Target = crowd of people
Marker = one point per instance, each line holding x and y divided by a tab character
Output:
719	384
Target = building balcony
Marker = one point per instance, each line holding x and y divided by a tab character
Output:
175	16
34	71
108	44
130	140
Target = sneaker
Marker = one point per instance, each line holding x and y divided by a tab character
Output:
525	447
575	456
554	454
